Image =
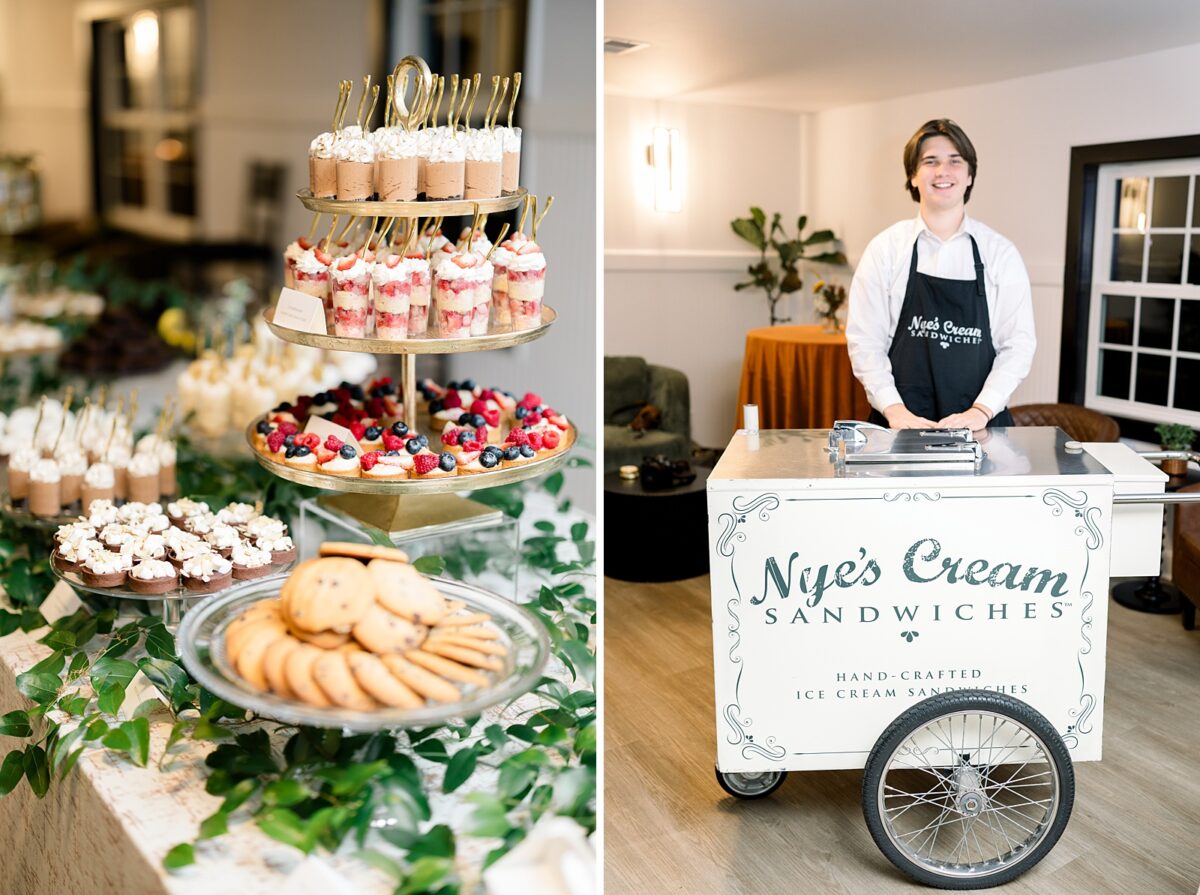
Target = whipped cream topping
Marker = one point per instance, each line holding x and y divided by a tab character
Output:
250	556
75	532
275	545
147	444
355	149
183	508
100	475
294	251
395	142
510	137
145	547
223	537
78	552
530	261
480	273
501	257
105	562
135	511
338	463
166	454
237	513
355	271
382	274
45	471
73	462
152	570
24	459
484	146
202	523
322	145
143	465
206	566
480	244
154	522
119	456
100	511
308	263
447	147
261	526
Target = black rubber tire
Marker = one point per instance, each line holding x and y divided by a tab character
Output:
742	794
950	703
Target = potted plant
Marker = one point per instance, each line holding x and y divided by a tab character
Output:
781	277
828	302
1175	437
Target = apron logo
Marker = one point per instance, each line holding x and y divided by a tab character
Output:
944	332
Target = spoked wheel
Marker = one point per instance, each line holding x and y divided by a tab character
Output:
968	790
754	785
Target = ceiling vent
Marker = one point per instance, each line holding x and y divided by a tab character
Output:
619	46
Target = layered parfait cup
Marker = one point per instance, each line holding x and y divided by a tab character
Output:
392	278
351	279
526	286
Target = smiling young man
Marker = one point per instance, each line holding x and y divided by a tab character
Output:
940	325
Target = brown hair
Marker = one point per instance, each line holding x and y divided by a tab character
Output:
938	127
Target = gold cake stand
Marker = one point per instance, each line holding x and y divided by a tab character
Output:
449	208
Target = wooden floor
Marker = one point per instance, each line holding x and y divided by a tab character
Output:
668	827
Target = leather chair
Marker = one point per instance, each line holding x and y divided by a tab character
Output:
1080	423
629	384
1185	557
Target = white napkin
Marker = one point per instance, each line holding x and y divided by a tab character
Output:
554	859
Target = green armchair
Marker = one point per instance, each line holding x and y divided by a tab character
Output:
629	384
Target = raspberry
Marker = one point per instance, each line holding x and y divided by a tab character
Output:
382	380
275	441
304	402
531	400
333	443
517	437
550	439
342	394
358	429
452	399
450	436
481	434
424	463
392	442
288	428
369	459
535	440
312	439
376	407
492	417
479	406
487	395
472	446
532	419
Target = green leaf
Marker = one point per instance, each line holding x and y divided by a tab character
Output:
75	706
426	875
214	825
237	795
438	842
489	817
432	750
159	643
123	640
39	686
59	640
544	525
801	223
11	770
751	231
818	237
112	695
95	730
15	724
62	750
170	680
829	258
52	664
382	863
553	483
585	740
459	769
286	792
757	214
37	771
579	531
109	669
582	658
79	665
118	740
284	826
516	777
351	778
522	732
430	565
495	735
139	738
180	856
9	622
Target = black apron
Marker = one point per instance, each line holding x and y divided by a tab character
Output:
942	350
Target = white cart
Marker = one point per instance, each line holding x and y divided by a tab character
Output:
933	609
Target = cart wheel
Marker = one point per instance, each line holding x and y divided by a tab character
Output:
968	790
753	785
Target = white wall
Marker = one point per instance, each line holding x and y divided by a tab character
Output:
1023	130
669	277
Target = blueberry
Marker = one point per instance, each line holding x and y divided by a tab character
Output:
413	446
321	398
302	450
289	439
282	408
447	462
436	405
388	388
290	452
348	451
344	384
427	393
512	452
356	392
451	385
488	460
478	419
392	453
263	428
464	419
423	440
468	385
399	429
373	433
493	449
527	451
521	412
465	435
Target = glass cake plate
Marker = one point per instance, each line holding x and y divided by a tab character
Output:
201	641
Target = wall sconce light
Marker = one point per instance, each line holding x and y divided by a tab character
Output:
665	156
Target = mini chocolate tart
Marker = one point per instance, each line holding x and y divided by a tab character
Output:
283	557
248	573
218	581
160	585
102	579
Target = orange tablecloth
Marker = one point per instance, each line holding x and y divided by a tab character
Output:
800	378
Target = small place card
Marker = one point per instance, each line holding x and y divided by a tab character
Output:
325	428
298	311
60	603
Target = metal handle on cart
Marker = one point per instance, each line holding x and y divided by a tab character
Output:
1172	497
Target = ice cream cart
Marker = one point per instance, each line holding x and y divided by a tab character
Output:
931	606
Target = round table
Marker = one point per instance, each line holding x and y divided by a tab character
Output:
655	535
800	378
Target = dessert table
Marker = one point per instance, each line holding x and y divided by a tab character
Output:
800	378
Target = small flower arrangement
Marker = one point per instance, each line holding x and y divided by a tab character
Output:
829	300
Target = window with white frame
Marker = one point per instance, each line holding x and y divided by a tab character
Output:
1144	341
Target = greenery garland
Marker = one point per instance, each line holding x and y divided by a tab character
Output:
322	788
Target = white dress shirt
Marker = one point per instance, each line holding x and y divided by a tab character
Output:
877	295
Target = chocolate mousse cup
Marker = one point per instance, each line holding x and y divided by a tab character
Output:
421	163
396	179
322	177
72	489
167	484
482	180
355	180
45	498
88	493
444	180
510	170
18	484
143	488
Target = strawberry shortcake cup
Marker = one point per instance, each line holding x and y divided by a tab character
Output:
501	256
457	287
290	256
392	277
526	285
480	244
311	275
351	282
